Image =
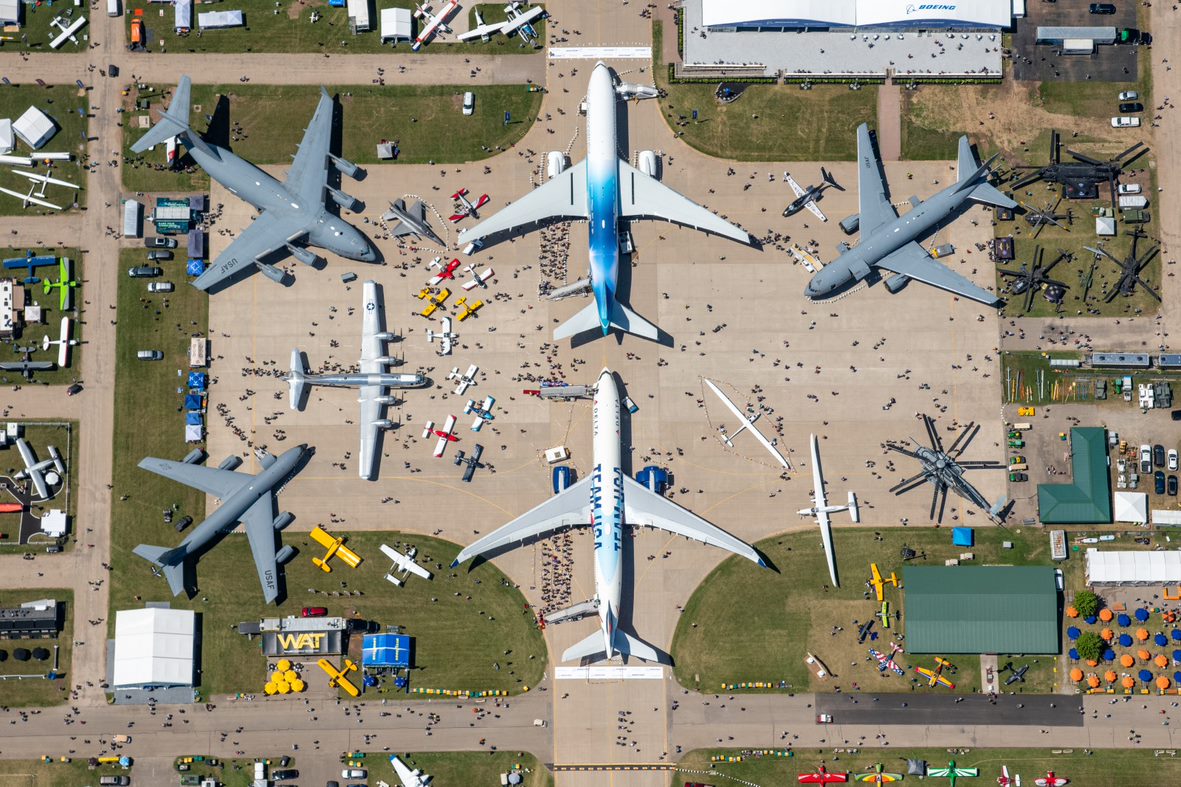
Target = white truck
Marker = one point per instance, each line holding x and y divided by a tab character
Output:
112	7
1127	201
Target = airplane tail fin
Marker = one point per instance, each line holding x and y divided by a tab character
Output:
830	180
171	561
173	123
973	175
854	513
296	381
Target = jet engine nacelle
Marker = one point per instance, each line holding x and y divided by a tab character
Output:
283	520
896	282
384	423
230	463
555	164
627	90
347	167
193	457
649	164
306	256
285	555
851	224
270	271
346	201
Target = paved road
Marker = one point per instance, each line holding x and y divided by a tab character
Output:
929	710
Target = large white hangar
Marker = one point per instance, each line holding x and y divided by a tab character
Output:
787	15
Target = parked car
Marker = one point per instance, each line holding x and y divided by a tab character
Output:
53	549
168	515
150	355
184	522
159	254
1103	8
1018	477
1173	459
76	388
1158	455
354	773
1173	485
160	286
1158	482
284	775
1129	188
1016	459
469	103
1145	459
1129	95
160	243
1175	415
315	612
1131	106
144	272
1125	122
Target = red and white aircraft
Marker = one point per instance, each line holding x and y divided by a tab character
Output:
479	279
446	271
1005	780
465	207
1051	780
823	776
432	23
445	435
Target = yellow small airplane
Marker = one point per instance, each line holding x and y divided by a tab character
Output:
467	310
434	301
335	548
339	677
935	676
879	583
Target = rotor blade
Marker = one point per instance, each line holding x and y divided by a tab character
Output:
979	464
1085	159
1029	293
1139	153
967	436
1147	289
1100	252
934	502
942	504
900	449
936	443
915	484
1110	296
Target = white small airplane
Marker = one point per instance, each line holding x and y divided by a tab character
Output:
63	344
403	564
446	337
409	778
445	435
820	509
437	22
478	279
35	471
483	412
1005	780
29	199
515	22
748	423
465	380
44	179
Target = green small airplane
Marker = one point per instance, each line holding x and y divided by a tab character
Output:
951	772
64	285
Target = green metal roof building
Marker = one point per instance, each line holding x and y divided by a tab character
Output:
981	609
1087	500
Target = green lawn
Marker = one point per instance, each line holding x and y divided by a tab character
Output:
769	122
269	122
1102	768
62	103
768	641
36	692
51	315
32	773
463	768
926	134
1086	99
63	436
287	26
36	31
1020	373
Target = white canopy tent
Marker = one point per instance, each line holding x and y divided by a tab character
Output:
963	14
153	647
1131	507
216	20
34	128
1133	568
395	25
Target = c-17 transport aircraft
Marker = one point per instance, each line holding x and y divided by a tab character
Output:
293	213
604	190
245	498
372	380
605	499
890	242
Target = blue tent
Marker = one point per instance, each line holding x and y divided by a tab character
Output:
1125	640
963	536
1073	633
386	650
1145	676
1123	620
1073	654
198	381
195	267
1142	615
1161	640
194	402
193	419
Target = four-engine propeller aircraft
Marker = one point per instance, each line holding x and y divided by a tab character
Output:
890	242
372	380
821	509
293	214
245	498
606	499
806	198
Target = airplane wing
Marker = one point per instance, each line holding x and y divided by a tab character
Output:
370	415
482	30
266	234
522	19
572	506
642	196
914	262
746	424
259	522
941	773
796	187
564	197
817	475
371	325
811	205
309	171
642	506
416	569
219	483
874	206
408	777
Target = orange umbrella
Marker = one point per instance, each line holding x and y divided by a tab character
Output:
1093	681
1161	661
1076	674
1162	683
1126	660
1143	655
1128	682
1092	663
1141	634
1110	676
1107	634
1105	615
1071	612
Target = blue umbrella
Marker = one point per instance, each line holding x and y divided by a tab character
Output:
1124	620
1177	635
1073	654
1177	656
1073	633
1092	620
1145	676
1141	614
1177	677
1125	640
1109	655
1161	640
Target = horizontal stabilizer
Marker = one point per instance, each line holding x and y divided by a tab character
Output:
173	123
631	646
587	319
628	321
989	195
591	646
297	382
171	561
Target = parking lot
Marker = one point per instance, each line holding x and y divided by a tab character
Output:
1039	63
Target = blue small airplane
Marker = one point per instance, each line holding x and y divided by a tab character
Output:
31	263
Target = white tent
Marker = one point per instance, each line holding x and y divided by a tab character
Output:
7	140
358	13
901	14
1133	568
153	647
34	128
213	20
395	24
1131	507
183	15
10	12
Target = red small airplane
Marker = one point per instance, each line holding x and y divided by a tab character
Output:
445	435
1005	780
465	207
446	271
823	776
1051	780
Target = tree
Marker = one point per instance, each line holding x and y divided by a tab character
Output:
1089	646
1087	603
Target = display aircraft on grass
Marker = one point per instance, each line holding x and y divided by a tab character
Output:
748	424
878	582
333	548
63	342
44	474
517	22
935	676
806	198
890	242
403	564
823	776
293	215
953	772
64	285
1005	780
409	777
245	498
604	191
432	23
607	499
878	775
372	381
821	509
1051	779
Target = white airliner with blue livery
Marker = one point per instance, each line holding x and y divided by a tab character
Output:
605	499
603	190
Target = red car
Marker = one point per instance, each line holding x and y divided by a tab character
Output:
314	612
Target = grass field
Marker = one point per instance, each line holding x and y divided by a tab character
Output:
30	773
463	768
769	122
36	31
40	435
264	124
50	319
287	26
768	641
62	103
37	693
1092	768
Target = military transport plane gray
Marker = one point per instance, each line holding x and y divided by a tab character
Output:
245	498
293	214
889	241
372	380
411	221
